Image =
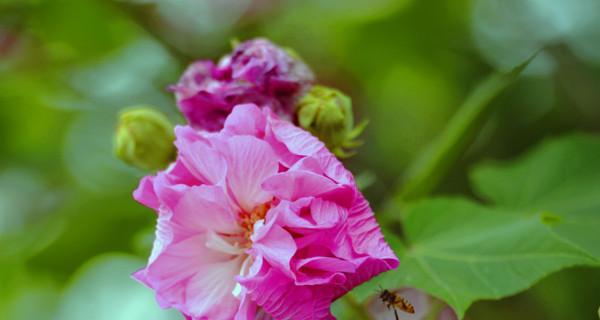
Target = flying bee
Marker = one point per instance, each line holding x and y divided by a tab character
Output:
393	300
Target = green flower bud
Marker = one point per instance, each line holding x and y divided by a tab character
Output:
144	138
327	113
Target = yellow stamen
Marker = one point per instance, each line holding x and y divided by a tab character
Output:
247	220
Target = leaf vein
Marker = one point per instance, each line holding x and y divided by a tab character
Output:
482	278
496	258
427	268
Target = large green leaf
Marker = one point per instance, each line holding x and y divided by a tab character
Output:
546	217
460	252
561	177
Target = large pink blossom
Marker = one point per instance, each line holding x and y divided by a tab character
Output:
257	71
258	220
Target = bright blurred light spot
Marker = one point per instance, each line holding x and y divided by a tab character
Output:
88	155
129	76
195	26
359	9
203	16
17	189
28	221
509	31
585	41
103	289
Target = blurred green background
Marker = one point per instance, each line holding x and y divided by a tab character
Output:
70	233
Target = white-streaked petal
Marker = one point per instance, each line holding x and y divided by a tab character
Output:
250	161
218	243
209	292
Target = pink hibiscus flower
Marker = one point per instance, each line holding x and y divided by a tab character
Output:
258	220
256	72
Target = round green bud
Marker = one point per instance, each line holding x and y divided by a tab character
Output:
144	138
327	113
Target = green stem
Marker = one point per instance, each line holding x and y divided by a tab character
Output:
433	164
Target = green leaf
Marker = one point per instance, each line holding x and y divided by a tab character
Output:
561	178
546	217
460	252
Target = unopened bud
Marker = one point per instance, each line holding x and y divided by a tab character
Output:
144	138
327	113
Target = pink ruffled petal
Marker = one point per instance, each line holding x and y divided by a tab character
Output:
167	193
247	308
297	141
327	213
325	163
192	79
209	292
164	235
185	136
171	272
245	119
203	161
219	243
274	244
145	194
282	299
307	214
180	174
159	191
250	161
205	208
366	270
323	270
205	110
366	235
327	264
292	185
290	214
206	163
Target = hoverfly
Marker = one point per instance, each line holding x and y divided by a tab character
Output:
393	300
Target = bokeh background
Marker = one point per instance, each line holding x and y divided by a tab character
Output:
70	233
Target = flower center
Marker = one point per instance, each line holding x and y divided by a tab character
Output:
248	219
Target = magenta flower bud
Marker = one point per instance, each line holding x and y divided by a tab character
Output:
257	71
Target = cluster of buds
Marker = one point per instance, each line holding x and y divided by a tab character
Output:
258	72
